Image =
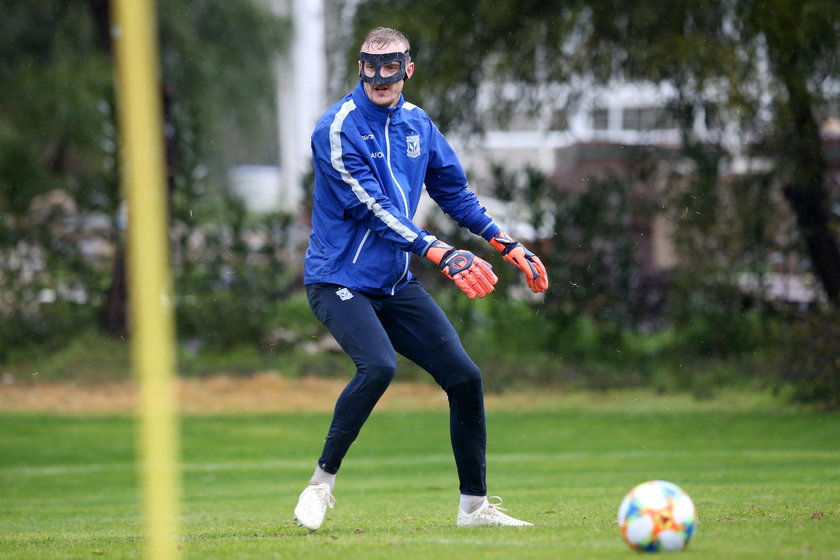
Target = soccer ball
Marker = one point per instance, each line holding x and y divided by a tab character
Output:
657	516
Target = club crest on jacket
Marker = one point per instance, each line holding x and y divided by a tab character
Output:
413	145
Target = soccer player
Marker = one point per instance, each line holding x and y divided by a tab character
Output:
372	153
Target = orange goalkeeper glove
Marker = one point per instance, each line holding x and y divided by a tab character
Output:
516	253
473	275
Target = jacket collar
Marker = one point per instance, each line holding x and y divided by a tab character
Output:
374	112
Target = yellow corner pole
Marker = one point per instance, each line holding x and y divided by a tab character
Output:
141	135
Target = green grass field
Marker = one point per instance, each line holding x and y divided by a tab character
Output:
766	484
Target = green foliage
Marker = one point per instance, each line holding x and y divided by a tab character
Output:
60	224
237	278
234	280
593	257
754	72
726	234
25	334
82	356
810	359
57	156
216	63
604	323
56	129
464	46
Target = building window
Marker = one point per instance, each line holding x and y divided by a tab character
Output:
559	119
646	118
600	119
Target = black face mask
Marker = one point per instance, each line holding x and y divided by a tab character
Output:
378	60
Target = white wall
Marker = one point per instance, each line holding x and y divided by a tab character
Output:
301	94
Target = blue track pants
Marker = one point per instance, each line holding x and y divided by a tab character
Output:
371	330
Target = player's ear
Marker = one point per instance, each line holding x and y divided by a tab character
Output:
409	69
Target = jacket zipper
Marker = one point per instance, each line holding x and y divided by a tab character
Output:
402	193
390	169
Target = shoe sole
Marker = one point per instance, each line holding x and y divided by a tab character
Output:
299	524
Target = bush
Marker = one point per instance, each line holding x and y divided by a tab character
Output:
84	356
23	333
810	361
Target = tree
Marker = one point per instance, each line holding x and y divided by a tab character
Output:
802	45
760	66
58	145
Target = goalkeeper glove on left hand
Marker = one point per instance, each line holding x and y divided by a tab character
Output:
473	275
516	254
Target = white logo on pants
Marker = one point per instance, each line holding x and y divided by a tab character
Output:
344	294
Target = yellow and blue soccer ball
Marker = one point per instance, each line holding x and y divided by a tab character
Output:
657	516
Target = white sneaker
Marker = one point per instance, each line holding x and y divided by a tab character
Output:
489	514
313	504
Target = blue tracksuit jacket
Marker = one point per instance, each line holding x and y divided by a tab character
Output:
370	166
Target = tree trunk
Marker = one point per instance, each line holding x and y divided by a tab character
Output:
813	221
805	190
114	314
801	147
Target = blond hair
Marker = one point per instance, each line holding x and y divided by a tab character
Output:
381	37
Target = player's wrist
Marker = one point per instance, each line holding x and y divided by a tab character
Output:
421	245
502	242
489	231
437	251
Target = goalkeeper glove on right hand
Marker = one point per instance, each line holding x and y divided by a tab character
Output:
473	275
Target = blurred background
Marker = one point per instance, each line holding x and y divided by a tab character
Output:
676	165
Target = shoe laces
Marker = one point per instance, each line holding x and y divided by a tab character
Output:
495	506
324	493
